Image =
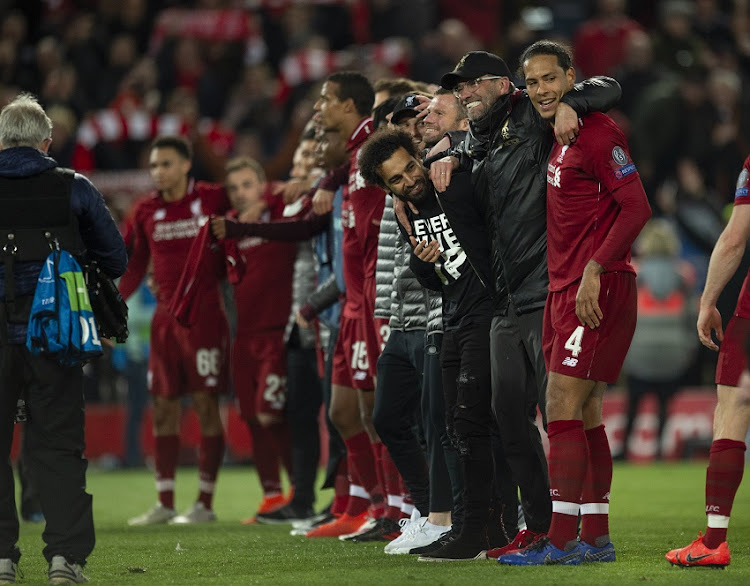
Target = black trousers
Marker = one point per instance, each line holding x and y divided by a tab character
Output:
445	466
397	403
304	398
519	382
55	446
467	387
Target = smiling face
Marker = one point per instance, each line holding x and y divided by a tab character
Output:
404	176
546	83
478	99
442	116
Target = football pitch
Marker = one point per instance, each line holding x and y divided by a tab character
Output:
654	508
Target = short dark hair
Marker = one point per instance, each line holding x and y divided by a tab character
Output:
354	85
379	148
546	47
395	86
178	143
382	110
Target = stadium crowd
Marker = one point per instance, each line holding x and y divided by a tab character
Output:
272	166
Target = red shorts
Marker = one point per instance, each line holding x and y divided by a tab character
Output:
186	360
578	351
259	374
732	359
350	366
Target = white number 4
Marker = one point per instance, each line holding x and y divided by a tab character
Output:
574	342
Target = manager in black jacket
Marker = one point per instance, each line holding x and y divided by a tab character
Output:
507	148
36	198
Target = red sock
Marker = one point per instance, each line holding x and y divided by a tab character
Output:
568	461
392	483
359	498
166	450
595	501
266	456
362	460
209	461
725	467
340	489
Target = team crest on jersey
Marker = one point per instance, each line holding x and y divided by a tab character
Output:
741	190
160	214
619	155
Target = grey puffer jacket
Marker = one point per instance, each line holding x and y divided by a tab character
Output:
399	297
303	283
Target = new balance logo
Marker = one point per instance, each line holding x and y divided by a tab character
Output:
570	361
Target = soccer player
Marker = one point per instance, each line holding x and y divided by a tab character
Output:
344	105
596	206
261	275
183	361
732	415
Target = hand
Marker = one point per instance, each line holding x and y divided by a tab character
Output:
322	201
421	108
218	227
441	171
426	251
253	213
587	298
292	190
302	322
266	419
709	319
566	124
399	208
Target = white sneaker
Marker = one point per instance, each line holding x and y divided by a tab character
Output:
7	571
363	528
63	572
198	513
408	526
425	534
154	516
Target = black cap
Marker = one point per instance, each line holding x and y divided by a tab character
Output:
405	108
473	65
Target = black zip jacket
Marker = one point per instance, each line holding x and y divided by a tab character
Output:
508	150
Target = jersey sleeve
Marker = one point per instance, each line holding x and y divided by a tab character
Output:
139	255
607	156
741	195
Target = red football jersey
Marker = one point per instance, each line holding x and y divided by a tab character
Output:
263	296
596	205
741	197
164	232
361	212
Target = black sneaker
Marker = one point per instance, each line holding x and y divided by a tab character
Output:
286	514
461	549
441	541
384	530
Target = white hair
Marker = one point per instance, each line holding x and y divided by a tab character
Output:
23	122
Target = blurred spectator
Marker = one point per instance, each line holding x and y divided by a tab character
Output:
440	50
123	53
600	42
730	136
664	343
676	46
672	120
712	26
637	72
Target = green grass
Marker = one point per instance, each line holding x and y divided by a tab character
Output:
654	508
